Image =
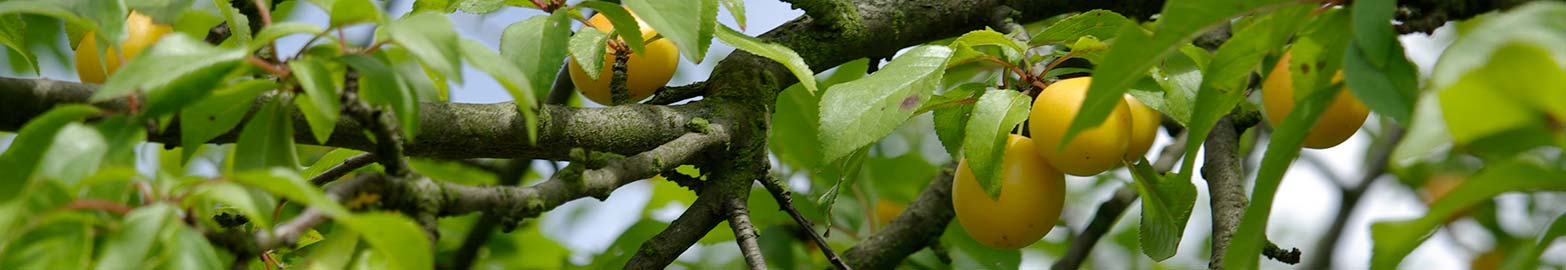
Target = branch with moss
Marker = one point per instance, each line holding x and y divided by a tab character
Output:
448	130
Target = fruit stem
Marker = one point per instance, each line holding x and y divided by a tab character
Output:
618	91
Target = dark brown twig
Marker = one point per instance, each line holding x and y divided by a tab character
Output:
785	201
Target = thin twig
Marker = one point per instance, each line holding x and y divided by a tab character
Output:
96	204
785	201
348	165
745	234
267	66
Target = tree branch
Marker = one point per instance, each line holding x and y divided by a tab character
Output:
447	130
785	201
1110	211
919	225
1225	185
510	173
1375	165
348	165
388	136
745	234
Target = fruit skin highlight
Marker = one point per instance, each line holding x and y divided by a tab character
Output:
644	73
1032	194
1093	150
1144	128
141	33
1339	122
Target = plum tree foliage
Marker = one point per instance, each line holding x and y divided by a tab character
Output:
194	141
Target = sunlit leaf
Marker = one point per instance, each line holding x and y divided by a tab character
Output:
857	113
783	55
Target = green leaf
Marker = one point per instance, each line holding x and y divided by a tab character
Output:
326	162
161	11
469	6
1394	240
589	45
75	154
238	23
422	83
12	36
968	253
994	117
1102	24
798	114
508	76
267	140
188	249
346	12
737	9
184	67
106	18
1135	52
1530	254
846	172
336	251
1426	136
1536	23
776	52
429	37
1511	91
321	103
282	29
1318	52
1166	209
951	123
1373	31
1245	248
1180	77
968	45
538	46
287	184
672	18
624	24
380	86
857	113
1390	91
233	195
30	144
218	114
129	246
396	237
57	241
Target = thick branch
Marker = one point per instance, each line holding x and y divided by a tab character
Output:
1375	165
881	27
447	130
919	225
1225	185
